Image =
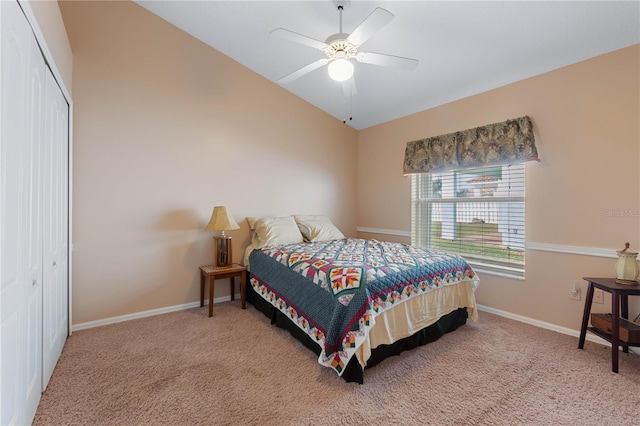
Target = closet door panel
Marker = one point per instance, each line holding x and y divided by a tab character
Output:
23	81
33	220
14	78
54	201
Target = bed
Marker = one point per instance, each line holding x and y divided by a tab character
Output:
355	302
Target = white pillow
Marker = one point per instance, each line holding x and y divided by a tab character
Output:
276	231
318	228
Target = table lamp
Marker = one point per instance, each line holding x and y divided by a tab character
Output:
221	221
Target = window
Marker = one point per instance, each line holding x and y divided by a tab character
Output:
477	213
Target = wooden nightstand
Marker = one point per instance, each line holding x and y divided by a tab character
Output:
214	274
619	308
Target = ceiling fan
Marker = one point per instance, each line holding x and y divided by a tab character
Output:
341	48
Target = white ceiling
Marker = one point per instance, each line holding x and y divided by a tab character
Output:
464	47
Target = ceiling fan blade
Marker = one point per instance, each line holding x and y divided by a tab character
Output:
372	23
299	38
406	64
349	87
302	71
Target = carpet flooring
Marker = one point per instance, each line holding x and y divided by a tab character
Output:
184	368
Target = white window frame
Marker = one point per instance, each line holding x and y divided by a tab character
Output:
423	206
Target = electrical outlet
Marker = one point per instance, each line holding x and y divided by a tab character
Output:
598	296
575	291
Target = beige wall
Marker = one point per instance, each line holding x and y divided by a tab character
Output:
47	13
586	121
166	128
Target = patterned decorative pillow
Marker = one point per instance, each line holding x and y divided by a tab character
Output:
275	231
318	228
252	222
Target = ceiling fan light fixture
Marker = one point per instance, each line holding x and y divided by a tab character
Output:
340	70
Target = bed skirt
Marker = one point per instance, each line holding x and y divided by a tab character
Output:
353	371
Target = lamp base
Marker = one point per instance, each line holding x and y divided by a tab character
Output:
626	282
222	252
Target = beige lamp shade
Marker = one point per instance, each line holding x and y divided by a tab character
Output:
221	220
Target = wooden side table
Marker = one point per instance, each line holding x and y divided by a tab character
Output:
214	274
619	307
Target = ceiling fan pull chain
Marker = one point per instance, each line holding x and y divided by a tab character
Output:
344	120
340	9
351	100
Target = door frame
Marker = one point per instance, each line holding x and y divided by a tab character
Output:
51	63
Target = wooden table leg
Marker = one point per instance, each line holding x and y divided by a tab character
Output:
232	287
585	316
211	287
615	329
201	289
243	289
624	313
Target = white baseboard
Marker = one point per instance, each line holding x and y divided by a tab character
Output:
564	330
143	314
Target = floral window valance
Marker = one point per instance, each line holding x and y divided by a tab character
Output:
509	142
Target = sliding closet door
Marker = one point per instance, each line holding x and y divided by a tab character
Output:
23	83
55	264
12	275
32	216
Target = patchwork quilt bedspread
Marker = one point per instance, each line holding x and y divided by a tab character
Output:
333	290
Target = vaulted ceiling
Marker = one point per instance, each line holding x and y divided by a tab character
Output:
463	48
